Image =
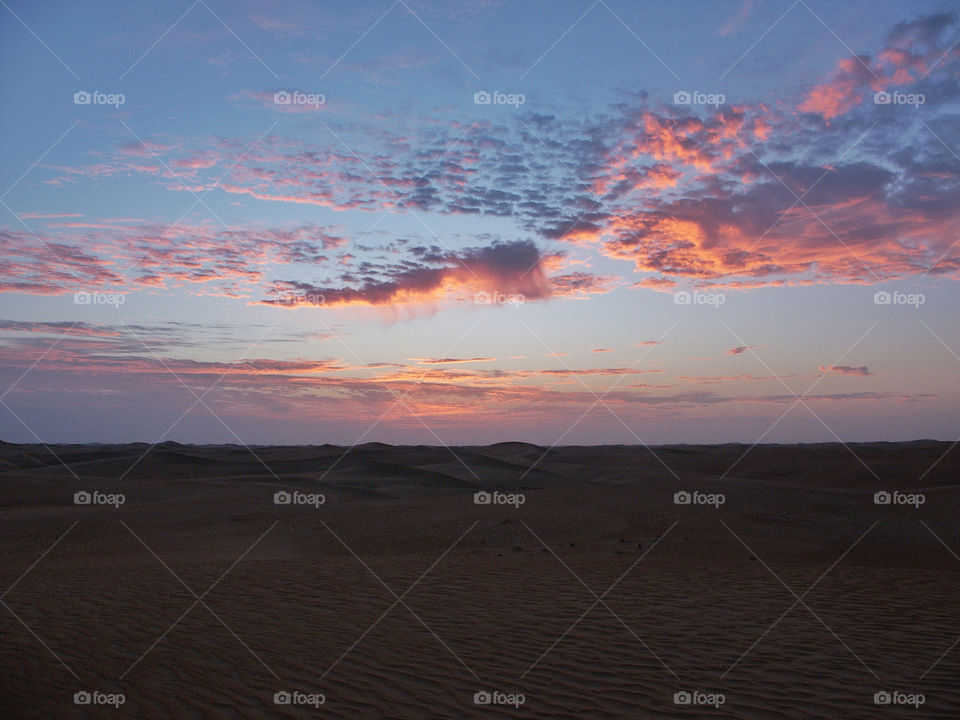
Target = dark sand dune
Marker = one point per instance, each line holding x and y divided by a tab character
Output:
597	597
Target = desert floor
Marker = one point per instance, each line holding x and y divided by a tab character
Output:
400	597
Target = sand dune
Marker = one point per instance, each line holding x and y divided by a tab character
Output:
597	597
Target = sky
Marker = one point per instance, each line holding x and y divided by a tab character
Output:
430	222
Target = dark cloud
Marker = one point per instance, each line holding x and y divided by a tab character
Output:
928	33
861	371
513	269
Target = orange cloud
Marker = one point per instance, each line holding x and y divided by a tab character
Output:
844	90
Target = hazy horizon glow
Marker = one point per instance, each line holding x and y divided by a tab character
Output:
416	222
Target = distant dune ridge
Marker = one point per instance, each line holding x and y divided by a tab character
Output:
508	580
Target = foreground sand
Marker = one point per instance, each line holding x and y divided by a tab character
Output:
399	597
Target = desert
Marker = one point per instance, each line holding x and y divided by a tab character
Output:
406	582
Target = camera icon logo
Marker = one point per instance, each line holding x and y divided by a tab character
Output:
681	498
882	698
482	298
481	98
82	698
682	98
81	298
482	498
882	498
681	298
282	698
882	297
282	497
482	697
882	97
82	498
82	98
682	698
282	98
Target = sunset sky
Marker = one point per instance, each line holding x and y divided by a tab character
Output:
300	222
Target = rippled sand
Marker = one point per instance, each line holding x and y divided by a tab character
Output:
598	597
